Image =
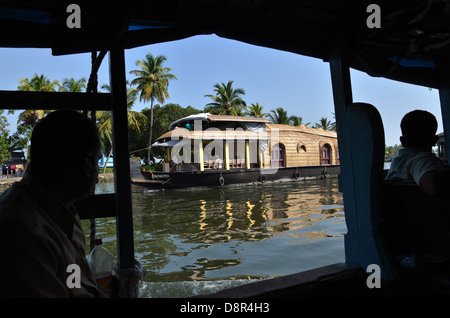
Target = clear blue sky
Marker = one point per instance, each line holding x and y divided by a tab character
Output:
272	78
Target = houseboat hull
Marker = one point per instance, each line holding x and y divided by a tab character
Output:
167	180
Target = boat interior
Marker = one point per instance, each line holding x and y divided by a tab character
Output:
410	45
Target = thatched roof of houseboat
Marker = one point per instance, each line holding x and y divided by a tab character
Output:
217	118
212	117
216	134
302	129
213	134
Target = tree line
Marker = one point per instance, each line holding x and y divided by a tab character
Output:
391	152
150	85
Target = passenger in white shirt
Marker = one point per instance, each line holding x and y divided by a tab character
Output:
417	164
415	161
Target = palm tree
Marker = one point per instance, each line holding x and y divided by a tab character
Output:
73	85
227	101
153	82
325	124
255	110
104	118
29	118
38	84
279	116
297	121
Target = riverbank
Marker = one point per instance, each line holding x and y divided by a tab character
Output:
103	177
6	182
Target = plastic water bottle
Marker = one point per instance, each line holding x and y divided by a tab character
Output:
101	264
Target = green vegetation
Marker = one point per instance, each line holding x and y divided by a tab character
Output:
325	124
391	152
255	110
104	121
227	101
164	116
150	84
5	141
152	81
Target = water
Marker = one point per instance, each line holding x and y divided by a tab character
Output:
199	240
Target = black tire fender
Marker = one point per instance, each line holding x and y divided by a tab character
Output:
262	178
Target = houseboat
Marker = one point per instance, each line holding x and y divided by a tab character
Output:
218	150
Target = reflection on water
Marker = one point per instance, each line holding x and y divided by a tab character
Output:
199	240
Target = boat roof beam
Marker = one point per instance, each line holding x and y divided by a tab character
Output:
54	100
27	100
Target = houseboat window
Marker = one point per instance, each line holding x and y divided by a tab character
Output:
325	154
278	156
301	148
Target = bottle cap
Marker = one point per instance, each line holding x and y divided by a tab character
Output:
97	241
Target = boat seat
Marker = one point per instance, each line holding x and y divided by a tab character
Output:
391	213
412	223
366	137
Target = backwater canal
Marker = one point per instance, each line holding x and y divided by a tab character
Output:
200	240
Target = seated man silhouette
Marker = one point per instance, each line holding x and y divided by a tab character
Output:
40	231
426	220
415	161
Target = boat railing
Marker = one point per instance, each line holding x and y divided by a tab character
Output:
237	163
217	164
185	167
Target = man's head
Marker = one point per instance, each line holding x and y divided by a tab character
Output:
65	149
419	130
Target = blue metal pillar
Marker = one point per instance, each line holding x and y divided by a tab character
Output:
342	94
362	244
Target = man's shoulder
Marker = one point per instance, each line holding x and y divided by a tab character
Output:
409	151
11	196
15	204
427	154
412	154
427	158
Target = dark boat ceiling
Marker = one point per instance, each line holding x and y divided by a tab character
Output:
412	45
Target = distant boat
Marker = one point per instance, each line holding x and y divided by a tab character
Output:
217	150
